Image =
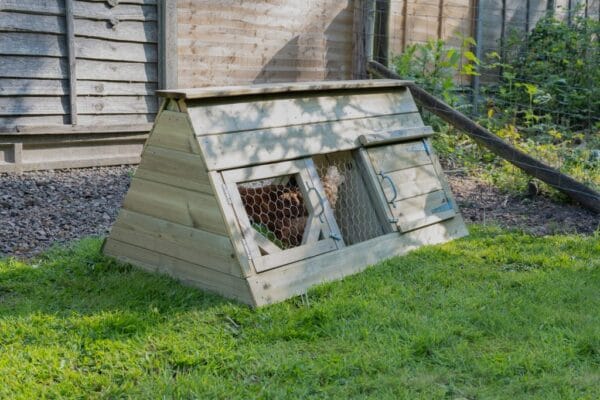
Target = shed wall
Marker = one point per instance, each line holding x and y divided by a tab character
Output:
235	42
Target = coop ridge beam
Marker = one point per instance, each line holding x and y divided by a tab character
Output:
564	183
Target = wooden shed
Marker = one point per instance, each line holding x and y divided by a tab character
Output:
260	192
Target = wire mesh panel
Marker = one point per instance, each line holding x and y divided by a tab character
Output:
276	209
283	212
348	196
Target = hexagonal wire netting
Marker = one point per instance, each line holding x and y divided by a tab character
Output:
276	207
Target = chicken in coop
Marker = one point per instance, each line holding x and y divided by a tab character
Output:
281	209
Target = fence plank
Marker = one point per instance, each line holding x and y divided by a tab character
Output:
117	105
33	67
32	44
98	49
17	22
33	105
127	31
117	71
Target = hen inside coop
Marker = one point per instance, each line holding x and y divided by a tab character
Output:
276	210
347	193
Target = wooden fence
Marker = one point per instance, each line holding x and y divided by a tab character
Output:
77	81
77	77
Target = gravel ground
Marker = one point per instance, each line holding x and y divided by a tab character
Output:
39	209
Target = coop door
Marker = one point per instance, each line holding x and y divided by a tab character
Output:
410	179
283	213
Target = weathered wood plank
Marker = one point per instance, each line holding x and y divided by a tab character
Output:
34	105
32	44
32	87
175	168
33	67
294	279
17	22
117	71
79	129
185	272
99	49
173	131
117	104
127	31
272	113
193	245
411	182
423	210
185	207
122	11
43	7
72	61
231	223
397	136
147	2
105	88
276	260
269	145
50	87
84	9
203	93
10	123
399	156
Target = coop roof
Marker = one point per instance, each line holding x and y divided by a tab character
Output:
211	92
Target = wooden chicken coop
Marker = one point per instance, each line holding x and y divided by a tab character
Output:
260	192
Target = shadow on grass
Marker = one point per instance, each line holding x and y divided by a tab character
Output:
101	295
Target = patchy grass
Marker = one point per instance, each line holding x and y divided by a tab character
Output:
496	315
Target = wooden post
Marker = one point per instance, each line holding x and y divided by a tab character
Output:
405	25
478	52
550	7
167	46
382	37
69	18
363	30
440	30
564	183
527	17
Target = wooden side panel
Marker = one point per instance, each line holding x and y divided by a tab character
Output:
171	212
182	206
186	272
392	158
271	112
173	131
295	279
285	143
413	184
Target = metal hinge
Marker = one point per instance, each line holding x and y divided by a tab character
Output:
227	194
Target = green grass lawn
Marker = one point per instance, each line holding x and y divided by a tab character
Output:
496	315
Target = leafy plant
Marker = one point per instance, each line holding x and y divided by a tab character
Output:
551	77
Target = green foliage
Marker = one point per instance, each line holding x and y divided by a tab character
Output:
547	102
498	314
551	77
435	67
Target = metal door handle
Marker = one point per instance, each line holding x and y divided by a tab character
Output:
393	185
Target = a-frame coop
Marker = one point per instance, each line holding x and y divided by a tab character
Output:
260	192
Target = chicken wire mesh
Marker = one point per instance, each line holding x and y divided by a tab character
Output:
276	209
347	193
